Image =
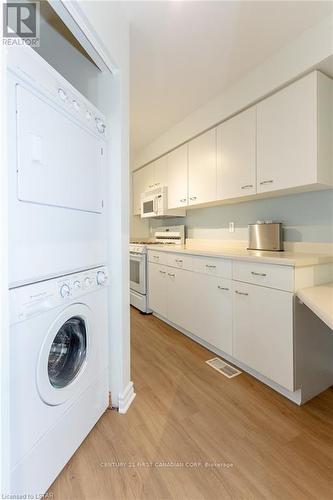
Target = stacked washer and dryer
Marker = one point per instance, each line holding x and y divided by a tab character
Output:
58	276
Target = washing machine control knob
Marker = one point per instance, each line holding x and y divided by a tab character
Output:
65	291
76	285
87	281
101	278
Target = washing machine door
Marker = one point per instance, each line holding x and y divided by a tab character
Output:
64	355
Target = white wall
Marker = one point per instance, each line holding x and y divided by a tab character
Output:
306	52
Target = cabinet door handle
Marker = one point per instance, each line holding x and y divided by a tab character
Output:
222	287
179	261
241	293
258	274
270	181
151	186
209	266
163	272
171	275
157	184
247	186
183	200
156	257
193	198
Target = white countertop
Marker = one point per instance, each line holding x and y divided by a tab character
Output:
320	300
280	258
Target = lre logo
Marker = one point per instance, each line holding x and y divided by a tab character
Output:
21	23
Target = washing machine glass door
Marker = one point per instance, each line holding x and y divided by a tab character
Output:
68	352
65	354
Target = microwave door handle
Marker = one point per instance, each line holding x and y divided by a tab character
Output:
155	205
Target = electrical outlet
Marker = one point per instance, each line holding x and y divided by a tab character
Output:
231	227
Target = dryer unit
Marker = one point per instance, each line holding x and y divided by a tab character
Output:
58	374
57	155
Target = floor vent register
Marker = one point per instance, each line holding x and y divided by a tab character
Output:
222	367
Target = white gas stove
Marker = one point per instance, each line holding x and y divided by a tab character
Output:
168	235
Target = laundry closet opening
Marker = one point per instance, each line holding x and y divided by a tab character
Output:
60	48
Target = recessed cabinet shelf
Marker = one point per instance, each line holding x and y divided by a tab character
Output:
283	144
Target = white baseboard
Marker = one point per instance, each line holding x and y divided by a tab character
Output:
125	398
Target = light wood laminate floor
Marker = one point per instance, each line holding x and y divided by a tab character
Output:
193	434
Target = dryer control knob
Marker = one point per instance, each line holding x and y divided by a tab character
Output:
65	291
62	94
101	278
76	105
100	125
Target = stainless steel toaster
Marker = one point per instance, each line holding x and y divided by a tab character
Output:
266	235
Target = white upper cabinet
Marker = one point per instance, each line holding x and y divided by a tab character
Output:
285	142
294	127
202	168
160	175
141	180
151	176
177	163
236	156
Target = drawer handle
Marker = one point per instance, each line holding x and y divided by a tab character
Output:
183	200
156	257
179	261
270	181
171	275
222	287
193	198
210	266
163	272
247	186
258	274
241	293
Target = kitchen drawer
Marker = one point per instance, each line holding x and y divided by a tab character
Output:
180	260
270	275
212	266
157	257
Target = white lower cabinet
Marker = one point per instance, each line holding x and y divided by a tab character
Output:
212	311
263	331
180	297
250	322
157	286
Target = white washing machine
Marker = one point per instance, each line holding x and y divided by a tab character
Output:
57	153
58	373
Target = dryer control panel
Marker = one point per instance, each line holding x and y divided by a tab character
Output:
37	298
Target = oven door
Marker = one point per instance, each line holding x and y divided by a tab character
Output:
138	281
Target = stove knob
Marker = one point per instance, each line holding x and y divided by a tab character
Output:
76	285
101	278
88	115
65	291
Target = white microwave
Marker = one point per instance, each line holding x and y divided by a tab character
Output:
154	203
